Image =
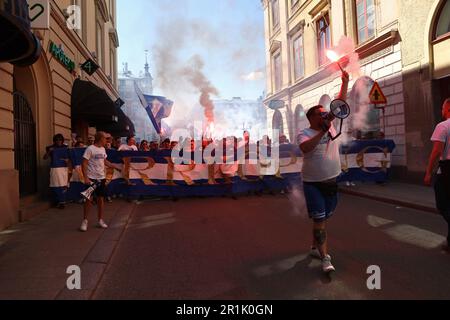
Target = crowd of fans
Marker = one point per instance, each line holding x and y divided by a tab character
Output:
131	143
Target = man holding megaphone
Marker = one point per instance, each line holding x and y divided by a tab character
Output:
321	167
94	161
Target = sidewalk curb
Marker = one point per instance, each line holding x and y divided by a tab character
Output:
96	260
401	203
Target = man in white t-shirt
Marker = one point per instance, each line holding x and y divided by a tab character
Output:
441	153
130	146
93	166
321	167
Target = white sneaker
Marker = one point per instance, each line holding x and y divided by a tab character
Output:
102	225
327	267
84	226
315	253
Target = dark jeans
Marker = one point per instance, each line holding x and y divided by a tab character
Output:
443	200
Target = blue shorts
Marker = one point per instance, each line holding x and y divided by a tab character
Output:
320	207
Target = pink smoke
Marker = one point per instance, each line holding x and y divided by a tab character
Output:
346	48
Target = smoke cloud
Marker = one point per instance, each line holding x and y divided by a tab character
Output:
189	50
359	97
346	47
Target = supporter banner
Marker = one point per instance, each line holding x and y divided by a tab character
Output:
366	160
155	174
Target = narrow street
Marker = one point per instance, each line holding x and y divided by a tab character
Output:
256	248
253	248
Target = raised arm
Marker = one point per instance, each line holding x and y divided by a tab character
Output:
344	88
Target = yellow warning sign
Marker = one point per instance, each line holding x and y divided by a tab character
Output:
376	95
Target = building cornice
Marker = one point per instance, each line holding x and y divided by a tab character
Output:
114	37
275	45
296	11
321	5
373	46
277	96
103	9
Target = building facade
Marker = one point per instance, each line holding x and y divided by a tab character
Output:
403	45
36	99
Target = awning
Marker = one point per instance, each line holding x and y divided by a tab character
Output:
18	45
123	128
92	104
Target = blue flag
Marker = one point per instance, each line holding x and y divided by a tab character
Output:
157	107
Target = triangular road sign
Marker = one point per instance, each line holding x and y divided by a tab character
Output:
376	95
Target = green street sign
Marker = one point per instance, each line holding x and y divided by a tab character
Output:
58	54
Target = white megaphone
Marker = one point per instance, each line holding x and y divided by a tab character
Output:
339	109
90	191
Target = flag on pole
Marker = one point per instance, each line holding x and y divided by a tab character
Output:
157	107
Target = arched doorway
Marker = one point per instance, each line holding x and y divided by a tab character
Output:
325	101
25	145
277	122
301	122
35	84
440	44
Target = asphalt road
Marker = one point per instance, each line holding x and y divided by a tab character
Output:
257	248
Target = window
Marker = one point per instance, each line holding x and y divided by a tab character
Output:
277	122
299	61
277	71
365	15
100	43
323	38
275	7
443	22
112	62
112	10
301	122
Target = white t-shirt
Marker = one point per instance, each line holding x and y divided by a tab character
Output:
126	147
442	134
96	162
324	162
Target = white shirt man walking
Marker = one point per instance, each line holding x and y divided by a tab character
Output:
441	153
93	166
321	167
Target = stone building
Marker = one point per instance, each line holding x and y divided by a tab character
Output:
36	84
404	45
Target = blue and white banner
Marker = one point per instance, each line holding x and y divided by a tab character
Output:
366	160
155	174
